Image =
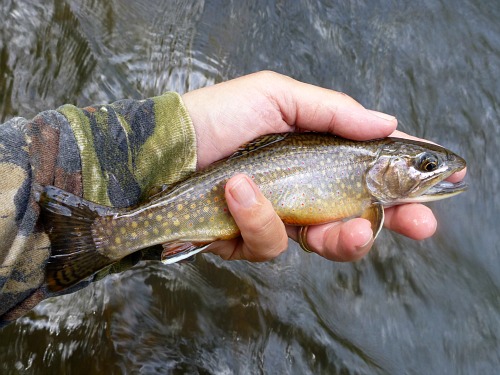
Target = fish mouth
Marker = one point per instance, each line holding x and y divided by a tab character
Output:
442	190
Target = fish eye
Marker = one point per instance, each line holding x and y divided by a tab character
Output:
427	162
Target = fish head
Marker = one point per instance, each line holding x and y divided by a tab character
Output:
408	171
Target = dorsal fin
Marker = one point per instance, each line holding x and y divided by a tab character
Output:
154	193
155	190
257	143
158	192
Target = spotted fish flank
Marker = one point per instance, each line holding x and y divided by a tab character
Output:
309	178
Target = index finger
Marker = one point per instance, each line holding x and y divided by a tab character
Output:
318	109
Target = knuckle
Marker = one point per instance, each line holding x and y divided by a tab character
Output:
265	235
267	74
263	221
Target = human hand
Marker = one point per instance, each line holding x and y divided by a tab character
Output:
232	113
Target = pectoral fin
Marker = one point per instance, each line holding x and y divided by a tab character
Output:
375	215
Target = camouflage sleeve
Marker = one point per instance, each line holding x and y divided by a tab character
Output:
109	154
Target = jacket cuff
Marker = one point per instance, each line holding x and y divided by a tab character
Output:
129	147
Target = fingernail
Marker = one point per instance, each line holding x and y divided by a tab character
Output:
365	231
364	248
243	192
382	115
367	243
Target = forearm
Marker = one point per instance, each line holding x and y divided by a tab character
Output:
109	154
129	147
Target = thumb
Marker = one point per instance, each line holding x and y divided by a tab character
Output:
263	232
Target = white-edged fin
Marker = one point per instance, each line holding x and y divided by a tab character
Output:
375	215
177	251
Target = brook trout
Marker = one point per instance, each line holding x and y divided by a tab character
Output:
310	178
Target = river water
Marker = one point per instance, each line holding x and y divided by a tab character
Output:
429	307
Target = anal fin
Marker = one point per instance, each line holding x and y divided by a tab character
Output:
375	215
177	251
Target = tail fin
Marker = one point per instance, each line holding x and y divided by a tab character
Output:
68	220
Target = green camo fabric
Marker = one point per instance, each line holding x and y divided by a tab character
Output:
110	154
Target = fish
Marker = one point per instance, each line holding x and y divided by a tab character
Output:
310	179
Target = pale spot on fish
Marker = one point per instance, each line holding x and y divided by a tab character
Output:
179	207
177	222
159	218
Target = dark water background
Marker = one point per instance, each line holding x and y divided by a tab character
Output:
430	307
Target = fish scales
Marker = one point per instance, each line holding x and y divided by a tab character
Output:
307	182
309	178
